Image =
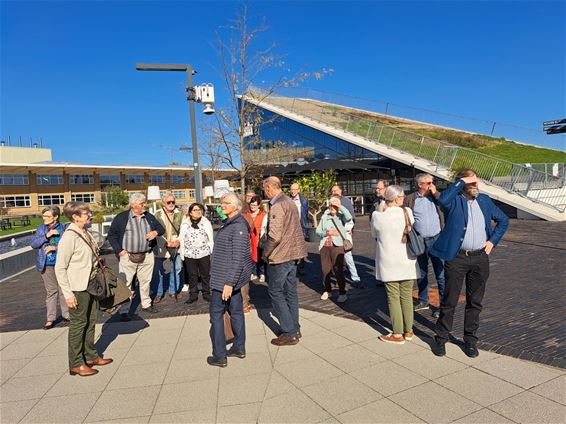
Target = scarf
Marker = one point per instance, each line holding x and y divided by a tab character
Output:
195	222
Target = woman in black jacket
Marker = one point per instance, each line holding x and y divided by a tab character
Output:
231	269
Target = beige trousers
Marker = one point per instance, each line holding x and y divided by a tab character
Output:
144	273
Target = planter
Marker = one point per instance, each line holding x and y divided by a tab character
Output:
313	236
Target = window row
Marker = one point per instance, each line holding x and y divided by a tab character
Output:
57	179
15	202
14	179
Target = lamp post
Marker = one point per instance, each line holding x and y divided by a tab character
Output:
191	98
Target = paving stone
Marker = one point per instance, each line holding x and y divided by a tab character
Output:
310	328
27	387
455	352
417	401
329	322
58	347
40	336
478	386
110	342
192	350
160	336
132	420
521	373
529	407
382	411
141	355
351	358
199	416
169	323
277	385
483	416
9	337
13	412
554	389
22	350
184	371
247	413
357	331
253	363
428	365
151	374
291	407
10	368
388	350
124	403
297	352
388	378
309	371
322	342
341	394
184	396
256	343
44	365
52	410
238	390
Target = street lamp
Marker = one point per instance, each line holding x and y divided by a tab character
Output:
202	94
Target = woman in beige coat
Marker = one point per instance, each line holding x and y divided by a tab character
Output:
74	268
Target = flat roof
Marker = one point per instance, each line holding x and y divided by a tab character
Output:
78	166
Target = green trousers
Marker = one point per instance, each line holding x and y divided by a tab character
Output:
81	330
400	301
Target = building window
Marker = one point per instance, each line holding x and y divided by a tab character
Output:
179	194
191	193
83	197
81	179
15	201
48	179
109	180
14	179
50	199
156	179
134	179
177	179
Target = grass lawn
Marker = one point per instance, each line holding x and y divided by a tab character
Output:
35	221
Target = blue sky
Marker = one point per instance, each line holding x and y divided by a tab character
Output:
68	68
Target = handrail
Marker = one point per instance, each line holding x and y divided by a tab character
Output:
514	178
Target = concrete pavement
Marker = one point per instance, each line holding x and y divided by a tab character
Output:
339	373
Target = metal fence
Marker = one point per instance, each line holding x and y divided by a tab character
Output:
527	181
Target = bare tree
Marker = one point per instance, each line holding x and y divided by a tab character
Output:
242	64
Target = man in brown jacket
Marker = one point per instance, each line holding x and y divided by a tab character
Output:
284	248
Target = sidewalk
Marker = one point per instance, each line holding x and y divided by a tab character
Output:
339	372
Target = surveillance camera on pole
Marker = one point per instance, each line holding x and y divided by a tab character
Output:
205	94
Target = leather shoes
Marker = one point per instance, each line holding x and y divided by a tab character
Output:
191	300
471	350
152	310
284	340
439	347
217	362
99	362
84	371
237	353
157	299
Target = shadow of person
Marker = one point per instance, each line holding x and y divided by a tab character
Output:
113	328
259	297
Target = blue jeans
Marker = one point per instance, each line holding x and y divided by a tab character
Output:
437	266
173	277
235	308
282	288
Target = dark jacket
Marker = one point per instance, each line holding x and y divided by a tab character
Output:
347	203
455	208
409	202
118	228
304	214
40	242
231	258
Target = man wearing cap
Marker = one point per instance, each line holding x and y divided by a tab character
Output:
465	243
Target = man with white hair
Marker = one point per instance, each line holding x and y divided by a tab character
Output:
133	235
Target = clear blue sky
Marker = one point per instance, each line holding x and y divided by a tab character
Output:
68	68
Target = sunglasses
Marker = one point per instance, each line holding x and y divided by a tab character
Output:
171	202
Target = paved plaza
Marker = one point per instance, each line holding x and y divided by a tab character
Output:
339	373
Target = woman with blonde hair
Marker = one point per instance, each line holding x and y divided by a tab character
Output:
393	265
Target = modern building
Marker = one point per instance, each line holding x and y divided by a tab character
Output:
28	182
297	130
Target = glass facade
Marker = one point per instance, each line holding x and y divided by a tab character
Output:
83	197
177	179
50	199
15	202
49	179
156	179
108	180
81	179
14	179
134	179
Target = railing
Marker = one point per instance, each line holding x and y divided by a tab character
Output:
526	181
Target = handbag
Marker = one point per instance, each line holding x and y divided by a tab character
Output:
415	243
228	332
348	245
137	258
108	288
173	251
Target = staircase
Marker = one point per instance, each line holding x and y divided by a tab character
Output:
534	192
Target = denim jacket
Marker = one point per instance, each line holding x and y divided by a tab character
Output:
40	242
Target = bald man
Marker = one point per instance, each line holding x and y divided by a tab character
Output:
302	205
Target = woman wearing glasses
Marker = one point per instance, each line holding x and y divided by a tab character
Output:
46	240
196	243
74	269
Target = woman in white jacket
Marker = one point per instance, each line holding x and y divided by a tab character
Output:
196	247
393	265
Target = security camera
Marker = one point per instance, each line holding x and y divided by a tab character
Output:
205	95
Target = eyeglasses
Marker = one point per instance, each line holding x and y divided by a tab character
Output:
427	183
171	202
196	210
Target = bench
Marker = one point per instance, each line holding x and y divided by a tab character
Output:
5	224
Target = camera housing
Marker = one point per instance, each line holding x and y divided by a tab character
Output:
205	95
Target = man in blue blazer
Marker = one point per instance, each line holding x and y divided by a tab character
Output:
465	243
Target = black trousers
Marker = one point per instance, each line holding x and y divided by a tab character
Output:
193	269
474	270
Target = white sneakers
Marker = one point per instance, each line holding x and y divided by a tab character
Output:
253	277
185	288
342	298
324	296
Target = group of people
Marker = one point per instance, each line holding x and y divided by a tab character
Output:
175	246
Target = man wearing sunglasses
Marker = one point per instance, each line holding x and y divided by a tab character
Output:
465	244
429	220
168	265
